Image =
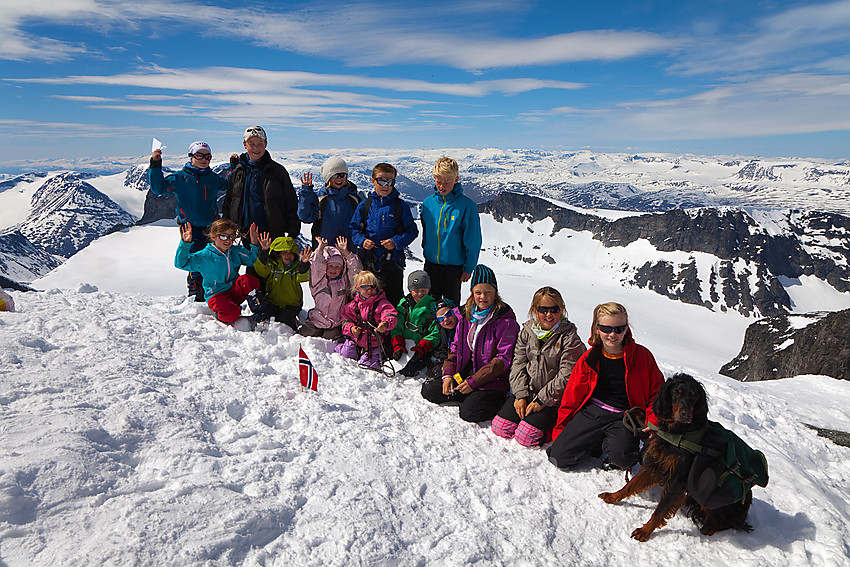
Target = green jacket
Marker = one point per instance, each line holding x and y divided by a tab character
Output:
283	284
417	322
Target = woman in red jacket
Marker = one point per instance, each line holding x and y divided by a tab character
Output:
614	375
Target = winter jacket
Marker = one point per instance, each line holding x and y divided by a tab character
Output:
451	229
540	370
494	350
196	191
330	295
219	269
366	313
643	379
336	216
283	283
417	321
381	224
446	339
280	204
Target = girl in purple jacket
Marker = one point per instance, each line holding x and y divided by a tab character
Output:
476	370
367	320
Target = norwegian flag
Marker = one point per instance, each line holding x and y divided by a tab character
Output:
309	376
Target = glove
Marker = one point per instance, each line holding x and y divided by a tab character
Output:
423	348
398	347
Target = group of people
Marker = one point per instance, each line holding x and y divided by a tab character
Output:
534	383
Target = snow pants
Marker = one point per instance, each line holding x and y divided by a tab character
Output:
228	304
476	406
590	428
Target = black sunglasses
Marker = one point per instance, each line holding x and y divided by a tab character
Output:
384	182
544	310
335	175
609	329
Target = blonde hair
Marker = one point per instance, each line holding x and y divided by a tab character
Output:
552	294
609	309
445	167
498	304
364	277
384	168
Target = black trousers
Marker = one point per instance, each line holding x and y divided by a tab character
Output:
445	281
478	405
591	427
392	279
544	419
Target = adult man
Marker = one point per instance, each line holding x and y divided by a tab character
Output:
451	232
259	190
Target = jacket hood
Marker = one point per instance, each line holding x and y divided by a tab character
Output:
282	243
333	255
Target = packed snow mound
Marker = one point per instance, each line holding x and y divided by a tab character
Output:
138	430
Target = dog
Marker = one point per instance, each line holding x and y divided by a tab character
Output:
681	407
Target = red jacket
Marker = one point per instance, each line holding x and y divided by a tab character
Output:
643	380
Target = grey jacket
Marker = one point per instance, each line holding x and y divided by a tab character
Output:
541	371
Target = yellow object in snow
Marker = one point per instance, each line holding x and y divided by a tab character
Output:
6	302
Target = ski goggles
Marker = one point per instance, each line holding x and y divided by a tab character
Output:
224	237
384	182
202	156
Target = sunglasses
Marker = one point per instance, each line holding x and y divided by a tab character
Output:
544	310
202	156
224	237
384	182
337	175
609	329
444	317
367	286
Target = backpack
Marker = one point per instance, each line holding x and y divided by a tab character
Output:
323	203
726	469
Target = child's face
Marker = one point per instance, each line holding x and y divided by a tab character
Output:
339	181
287	256
446	318
612	342
548	319
203	161
445	183
367	290
223	240
418	294
333	270
484	295
383	190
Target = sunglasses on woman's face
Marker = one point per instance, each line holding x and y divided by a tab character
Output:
609	329
367	286
202	156
544	310
225	237
384	182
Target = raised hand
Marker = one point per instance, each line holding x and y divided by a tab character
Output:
307	179
322	243
254	233
265	240
157	155
306	255
185	231
342	245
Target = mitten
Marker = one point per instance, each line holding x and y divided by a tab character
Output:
423	348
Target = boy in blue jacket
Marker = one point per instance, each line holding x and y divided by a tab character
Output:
451	232
381	228
196	188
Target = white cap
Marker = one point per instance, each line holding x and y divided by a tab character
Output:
195	146
252	131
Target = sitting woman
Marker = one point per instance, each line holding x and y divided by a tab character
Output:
616	374
480	355
546	352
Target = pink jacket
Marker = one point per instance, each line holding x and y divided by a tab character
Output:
330	295
366	313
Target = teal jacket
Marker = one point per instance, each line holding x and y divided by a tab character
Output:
451	229
218	269
196	191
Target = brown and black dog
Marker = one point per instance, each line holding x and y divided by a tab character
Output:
681	407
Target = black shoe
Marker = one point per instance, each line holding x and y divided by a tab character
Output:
413	367
258	306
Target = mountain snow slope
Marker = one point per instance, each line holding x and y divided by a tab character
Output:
137	430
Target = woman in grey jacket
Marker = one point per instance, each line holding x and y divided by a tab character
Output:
547	348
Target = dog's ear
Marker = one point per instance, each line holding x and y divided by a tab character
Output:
662	407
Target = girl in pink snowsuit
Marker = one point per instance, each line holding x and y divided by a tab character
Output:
366	321
332	273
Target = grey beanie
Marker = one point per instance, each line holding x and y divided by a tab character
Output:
331	167
418	280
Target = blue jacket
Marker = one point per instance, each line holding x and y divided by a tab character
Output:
218	269
451	229
337	214
196	191
381	225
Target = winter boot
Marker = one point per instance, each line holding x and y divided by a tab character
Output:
258	306
413	367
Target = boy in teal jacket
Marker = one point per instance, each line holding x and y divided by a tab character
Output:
416	321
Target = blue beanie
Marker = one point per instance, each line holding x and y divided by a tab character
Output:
482	274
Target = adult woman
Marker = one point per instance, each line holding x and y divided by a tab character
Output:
481	353
546	351
614	375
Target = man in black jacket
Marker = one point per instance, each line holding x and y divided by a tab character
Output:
260	190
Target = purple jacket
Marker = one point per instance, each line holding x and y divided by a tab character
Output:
362	312
494	350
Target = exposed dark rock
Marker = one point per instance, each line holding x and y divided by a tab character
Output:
838	437
781	347
6	283
22	260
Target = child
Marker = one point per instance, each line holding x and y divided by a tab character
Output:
331	276
366	321
218	263
446	316
331	210
481	353
277	263
546	350
451	232
616	374
196	189
381	228
416	322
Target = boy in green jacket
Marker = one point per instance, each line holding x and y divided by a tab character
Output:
416	321
277	262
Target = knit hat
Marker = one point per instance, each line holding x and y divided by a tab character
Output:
283	243
252	131
195	146
333	256
418	280
482	274
332	166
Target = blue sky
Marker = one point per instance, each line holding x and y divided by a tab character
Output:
96	79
